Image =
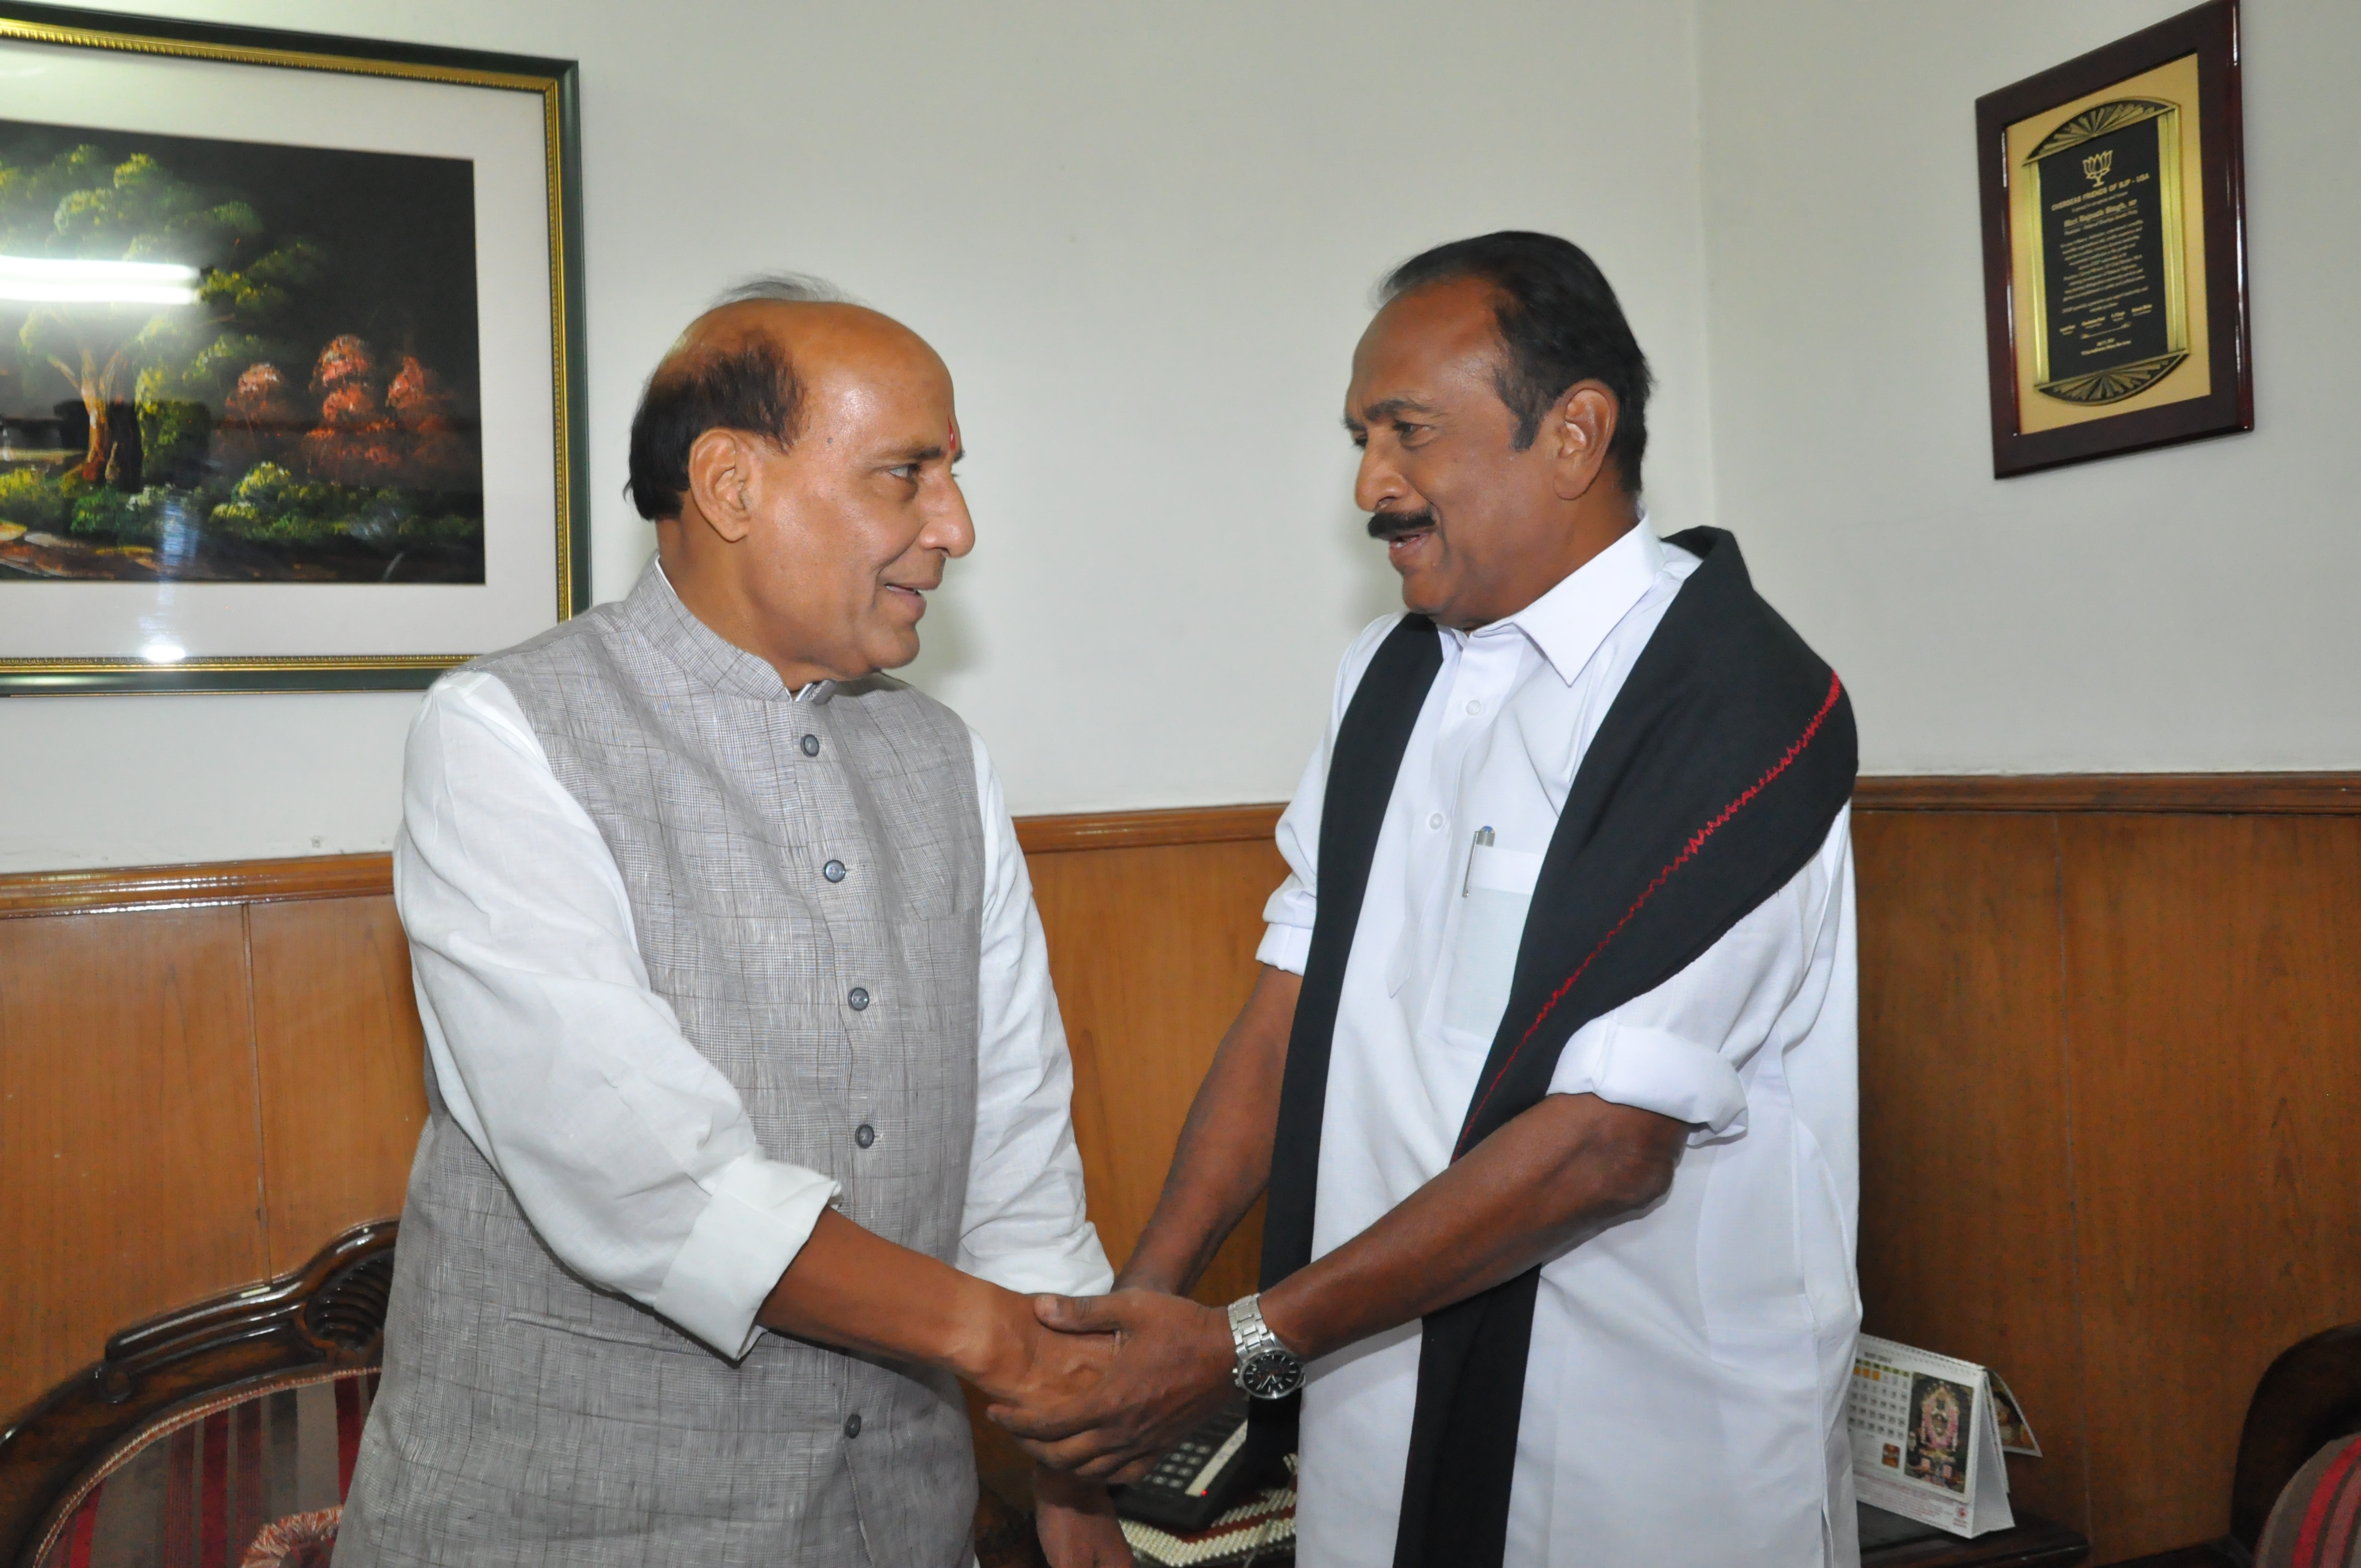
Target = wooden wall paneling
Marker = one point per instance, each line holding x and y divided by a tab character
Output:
1152	950
1145	829
2214	965
1966	1230
340	1068
2245	794
2107	1045
187	887
130	1171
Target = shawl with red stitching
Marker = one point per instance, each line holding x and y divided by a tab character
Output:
1712	781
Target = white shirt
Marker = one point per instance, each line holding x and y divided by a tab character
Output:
630	1153
1685	1394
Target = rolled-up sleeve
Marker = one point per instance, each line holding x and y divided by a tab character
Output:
630	1153
1026	1226
1682	1049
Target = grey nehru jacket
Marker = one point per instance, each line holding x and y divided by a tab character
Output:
527	1417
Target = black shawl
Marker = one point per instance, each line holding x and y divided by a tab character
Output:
1712	781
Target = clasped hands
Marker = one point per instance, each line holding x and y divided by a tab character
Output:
1115	1383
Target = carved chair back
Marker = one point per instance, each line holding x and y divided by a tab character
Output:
198	1432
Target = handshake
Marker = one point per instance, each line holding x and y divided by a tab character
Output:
1103	1385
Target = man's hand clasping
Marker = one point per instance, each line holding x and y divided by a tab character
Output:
1172	1367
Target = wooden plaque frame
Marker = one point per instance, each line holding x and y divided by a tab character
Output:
2210	33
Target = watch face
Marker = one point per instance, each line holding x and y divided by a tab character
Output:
1270	1375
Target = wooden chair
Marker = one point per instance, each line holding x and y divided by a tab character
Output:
203	1426
2308	1399
224	1434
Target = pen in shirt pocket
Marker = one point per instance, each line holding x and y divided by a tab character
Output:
1467	879
1493	868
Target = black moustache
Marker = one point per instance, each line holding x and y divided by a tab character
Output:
1393	525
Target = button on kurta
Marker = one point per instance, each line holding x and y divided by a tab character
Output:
864	1134
811	745
833	871
852	1424
857	998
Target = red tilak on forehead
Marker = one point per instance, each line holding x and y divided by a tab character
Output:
954	438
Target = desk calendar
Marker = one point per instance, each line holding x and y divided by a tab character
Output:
1928	1434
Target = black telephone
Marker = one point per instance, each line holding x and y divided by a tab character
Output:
1199	1481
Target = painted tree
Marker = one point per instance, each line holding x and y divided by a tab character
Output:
81	204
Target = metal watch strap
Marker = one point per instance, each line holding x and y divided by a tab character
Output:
1250	1336
1249	1332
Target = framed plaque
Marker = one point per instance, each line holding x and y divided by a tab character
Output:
2115	248
292	370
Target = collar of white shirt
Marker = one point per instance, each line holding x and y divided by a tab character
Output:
1569	622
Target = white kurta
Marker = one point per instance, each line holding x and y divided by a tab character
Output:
630	1152
1685	1397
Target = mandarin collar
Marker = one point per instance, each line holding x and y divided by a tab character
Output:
657	614
1569	622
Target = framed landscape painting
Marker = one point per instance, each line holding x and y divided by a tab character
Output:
291	368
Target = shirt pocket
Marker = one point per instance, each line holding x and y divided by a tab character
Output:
1492	907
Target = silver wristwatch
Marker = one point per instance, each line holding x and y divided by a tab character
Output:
1267	1369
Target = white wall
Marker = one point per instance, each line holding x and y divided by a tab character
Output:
2190	608
1144	240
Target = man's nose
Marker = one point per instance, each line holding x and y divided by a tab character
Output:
949	528
1379	482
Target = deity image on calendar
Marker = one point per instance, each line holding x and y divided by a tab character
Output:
1938	1443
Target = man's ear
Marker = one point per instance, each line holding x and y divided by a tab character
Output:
1581	427
721	482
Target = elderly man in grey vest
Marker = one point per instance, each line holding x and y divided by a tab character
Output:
748	1100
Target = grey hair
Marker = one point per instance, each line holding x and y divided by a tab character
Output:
787	288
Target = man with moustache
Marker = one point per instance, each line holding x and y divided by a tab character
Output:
1550	1071
748	1098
